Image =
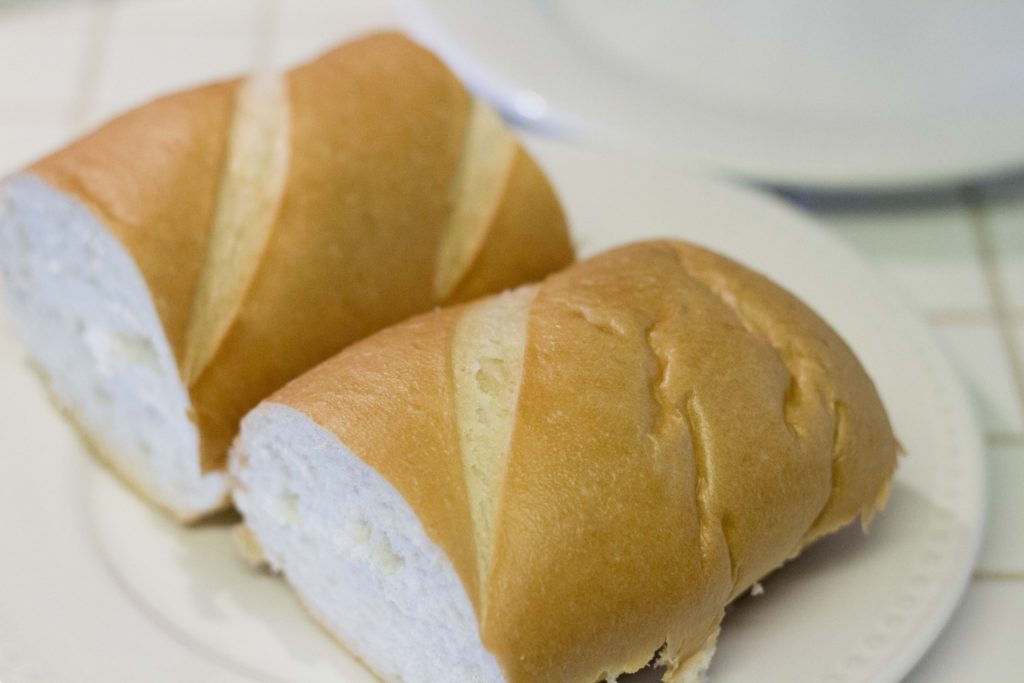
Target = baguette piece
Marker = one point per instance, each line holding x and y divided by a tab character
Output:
177	265
556	483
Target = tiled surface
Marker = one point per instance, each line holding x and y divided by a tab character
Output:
923	243
136	67
307	27
984	636
1004	206
185	17
957	256
21	142
1002	552
40	47
977	350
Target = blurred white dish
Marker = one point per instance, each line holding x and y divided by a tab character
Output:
850	94
96	586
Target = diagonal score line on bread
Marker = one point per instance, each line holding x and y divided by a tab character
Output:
669	428
251	188
476	192
487	366
176	265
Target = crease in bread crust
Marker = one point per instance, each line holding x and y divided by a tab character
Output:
250	192
610	424
258	215
481	177
798	395
488	349
709	535
790	358
821	527
687	416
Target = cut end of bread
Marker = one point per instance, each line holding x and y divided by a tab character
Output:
354	551
86	316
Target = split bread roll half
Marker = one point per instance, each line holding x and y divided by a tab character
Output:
174	267
558	482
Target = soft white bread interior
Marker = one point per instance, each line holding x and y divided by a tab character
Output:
356	553
565	479
78	301
260	225
359	558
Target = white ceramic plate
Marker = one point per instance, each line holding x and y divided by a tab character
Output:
861	93
95	587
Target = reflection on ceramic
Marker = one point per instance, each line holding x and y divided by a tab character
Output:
861	94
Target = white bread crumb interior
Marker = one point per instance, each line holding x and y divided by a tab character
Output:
352	547
355	552
359	558
95	337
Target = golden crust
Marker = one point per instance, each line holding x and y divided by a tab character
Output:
530	239
151	177
401	377
683	427
377	130
354	246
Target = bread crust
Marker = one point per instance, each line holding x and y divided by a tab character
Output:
376	131
516	231
401	377
151	177
683	427
354	244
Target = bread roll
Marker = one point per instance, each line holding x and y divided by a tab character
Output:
556	483
177	265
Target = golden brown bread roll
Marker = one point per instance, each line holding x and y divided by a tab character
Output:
554	484
178	264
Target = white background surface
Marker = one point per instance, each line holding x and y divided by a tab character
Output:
958	255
